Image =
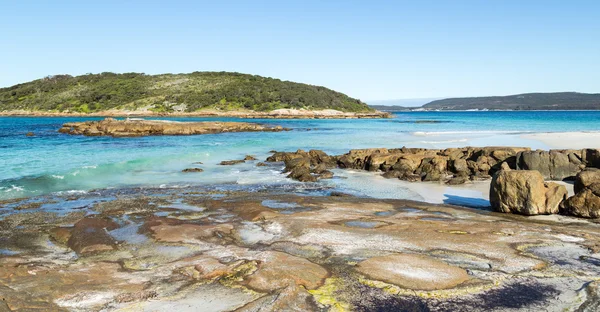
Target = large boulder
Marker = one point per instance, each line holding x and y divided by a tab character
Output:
553	164
585	203
525	192
591	157
586	178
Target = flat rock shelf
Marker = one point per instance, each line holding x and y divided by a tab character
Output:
140	127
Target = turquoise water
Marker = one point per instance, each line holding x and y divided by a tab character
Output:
51	162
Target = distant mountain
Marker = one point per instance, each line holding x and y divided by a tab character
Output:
527	101
166	93
391	108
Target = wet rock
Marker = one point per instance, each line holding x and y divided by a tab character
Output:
410	271
192	170
524	192
249	157
278	270
230	162
89	236
302	174
291	298
261	164
326	175
30	134
586	178
585	204
457	180
60	234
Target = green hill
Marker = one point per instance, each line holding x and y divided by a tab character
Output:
527	101
171	92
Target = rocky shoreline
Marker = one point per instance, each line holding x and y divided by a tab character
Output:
520	175
135	128
219	250
276	114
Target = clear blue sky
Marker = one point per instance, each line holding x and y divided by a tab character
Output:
373	50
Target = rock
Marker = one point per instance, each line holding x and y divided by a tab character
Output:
278	270
320	168
591	157
505	166
230	162
340	194
261	164
318	157
326	175
198	163
89	236
586	178
408	163
192	170
302	174
456	180
249	157
432	169
30	134
293	163
133	128
585	204
276	157
392	174
417	272
524	192
553	164
459	166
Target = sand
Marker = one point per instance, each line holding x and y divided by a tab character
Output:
566	140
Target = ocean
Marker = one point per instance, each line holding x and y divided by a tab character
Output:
54	163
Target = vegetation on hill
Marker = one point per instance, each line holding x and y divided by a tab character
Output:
528	101
171	92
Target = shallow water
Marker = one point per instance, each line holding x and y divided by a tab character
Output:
51	162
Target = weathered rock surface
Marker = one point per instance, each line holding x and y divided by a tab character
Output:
413	272
553	164
263	251
586	178
192	170
452	165
585	203
306	166
134	128
525	192
89	236
231	162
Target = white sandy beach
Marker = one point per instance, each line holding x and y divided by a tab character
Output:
567	140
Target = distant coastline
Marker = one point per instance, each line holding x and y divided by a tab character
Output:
560	101
275	114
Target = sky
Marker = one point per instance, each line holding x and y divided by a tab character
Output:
372	50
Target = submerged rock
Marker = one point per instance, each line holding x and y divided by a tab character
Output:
192	170
231	162
525	192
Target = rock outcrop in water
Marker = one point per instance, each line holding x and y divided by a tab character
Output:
135	128
525	192
452	165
